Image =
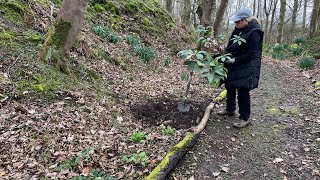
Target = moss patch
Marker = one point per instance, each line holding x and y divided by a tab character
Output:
317	85
313	46
6	38
33	36
61	33
181	145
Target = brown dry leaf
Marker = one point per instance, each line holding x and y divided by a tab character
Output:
120	175
2	172
85	171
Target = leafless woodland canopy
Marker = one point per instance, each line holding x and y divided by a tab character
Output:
282	20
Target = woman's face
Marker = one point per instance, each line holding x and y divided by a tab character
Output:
241	23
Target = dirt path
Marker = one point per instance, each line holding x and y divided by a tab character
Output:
282	142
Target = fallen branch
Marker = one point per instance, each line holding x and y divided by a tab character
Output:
177	152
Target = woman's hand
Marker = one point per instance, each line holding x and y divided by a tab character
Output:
229	61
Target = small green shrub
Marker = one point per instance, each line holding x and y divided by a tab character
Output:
137	158
295	50
147	54
298	40
133	40
106	33
278	51
168	131
307	63
137	137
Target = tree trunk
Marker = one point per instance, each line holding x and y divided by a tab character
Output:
208	7
219	17
254	7
267	13
63	34
281	20
186	12
272	20
294	19
304	17
314	18
169	4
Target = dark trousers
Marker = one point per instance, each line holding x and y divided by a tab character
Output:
243	101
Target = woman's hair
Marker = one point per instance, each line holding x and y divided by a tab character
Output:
249	19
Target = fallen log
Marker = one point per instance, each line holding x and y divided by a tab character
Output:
177	152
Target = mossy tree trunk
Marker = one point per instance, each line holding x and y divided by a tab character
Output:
186	12
281	20
314	22
294	18
304	17
63	34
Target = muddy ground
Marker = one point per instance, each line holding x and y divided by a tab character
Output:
283	141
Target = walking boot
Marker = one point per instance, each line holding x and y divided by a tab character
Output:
226	113
241	124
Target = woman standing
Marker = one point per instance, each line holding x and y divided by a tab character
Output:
244	68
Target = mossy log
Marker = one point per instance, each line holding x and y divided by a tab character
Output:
176	153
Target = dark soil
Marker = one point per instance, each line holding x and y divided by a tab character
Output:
164	110
282	142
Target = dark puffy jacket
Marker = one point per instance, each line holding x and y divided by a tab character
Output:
245	71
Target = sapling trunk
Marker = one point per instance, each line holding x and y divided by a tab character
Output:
187	88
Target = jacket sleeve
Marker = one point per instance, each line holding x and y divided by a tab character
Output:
252	48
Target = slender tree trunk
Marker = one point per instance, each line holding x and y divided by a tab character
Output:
254	7
272	20
63	33
267	13
294	19
200	11
281	21
219	17
304	17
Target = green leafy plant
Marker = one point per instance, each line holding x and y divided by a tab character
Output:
145	53
167	61
238	39
184	76
74	161
278	51
137	137
307	63
298	40
296	50
106	33
139	158
133	39
168	131
69	164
